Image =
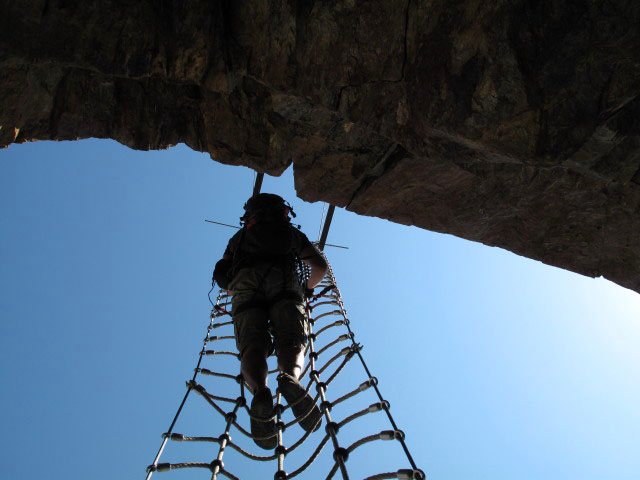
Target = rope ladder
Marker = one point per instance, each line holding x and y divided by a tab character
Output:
330	351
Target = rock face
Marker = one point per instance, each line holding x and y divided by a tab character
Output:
511	123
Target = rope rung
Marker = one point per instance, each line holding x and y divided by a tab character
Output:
341	338
206	371
363	386
178	437
404	474
325	314
216	338
221	352
219	325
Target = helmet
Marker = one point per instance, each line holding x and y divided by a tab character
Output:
266	203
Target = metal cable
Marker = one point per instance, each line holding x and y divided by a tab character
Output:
324	205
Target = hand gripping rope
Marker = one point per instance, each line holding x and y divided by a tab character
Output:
324	365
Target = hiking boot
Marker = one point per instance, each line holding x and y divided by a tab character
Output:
301	402
263	422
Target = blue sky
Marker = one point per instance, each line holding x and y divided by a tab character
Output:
496	366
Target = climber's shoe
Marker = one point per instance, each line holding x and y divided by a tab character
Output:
300	401
263	421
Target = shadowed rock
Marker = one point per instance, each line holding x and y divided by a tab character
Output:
515	124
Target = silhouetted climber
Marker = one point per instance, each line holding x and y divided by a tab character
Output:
259	267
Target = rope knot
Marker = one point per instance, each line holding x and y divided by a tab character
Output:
216	466
332	428
407	474
341	453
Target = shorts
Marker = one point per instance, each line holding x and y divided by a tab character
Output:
268	308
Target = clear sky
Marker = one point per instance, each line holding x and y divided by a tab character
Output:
496	366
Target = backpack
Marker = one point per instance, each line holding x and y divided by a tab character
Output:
267	233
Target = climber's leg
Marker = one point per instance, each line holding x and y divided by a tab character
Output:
254	366
291	360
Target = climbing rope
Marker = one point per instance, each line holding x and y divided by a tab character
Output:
328	357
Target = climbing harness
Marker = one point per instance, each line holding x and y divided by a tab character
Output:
326	362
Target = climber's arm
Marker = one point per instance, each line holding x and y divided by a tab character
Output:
318	264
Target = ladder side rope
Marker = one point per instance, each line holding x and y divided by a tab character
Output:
366	368
186	395
333	432
217	465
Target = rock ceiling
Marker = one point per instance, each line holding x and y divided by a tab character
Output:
515	124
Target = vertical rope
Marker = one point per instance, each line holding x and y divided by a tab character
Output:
366	368
332	427
217	464
166	435
280	449
314	374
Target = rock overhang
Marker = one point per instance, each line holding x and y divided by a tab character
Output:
515	125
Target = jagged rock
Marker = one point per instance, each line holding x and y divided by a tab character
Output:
515	124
